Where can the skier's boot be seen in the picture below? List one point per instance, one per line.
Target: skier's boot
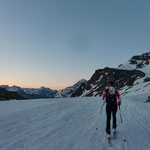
(108, 133)
(114, 131)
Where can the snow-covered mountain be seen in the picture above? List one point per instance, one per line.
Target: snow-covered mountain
(138, 62)
(67, 92)
(43, 92)
(12, 88)
(31, 92)
(130, 78)
(8, 95)
(142, 63)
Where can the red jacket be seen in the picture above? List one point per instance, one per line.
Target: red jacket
(117, 95)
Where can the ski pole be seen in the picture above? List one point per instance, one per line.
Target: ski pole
(120, 114)
(101, 110)
(102, 107)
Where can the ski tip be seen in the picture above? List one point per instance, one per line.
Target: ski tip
(109, 144)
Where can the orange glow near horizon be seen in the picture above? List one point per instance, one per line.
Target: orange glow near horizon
(31, 85)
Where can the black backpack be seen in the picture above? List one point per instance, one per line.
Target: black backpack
(110, 99)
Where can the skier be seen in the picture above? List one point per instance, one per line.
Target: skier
(110, 96)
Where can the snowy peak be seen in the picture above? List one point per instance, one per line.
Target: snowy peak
(37, 90)
(139, 62)
(79, 83)
(15, 88)
(67, 92)
(6, 87)
(12, 88)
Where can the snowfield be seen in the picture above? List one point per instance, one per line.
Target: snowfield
(71, 123)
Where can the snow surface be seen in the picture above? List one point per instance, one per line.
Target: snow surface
(70, 124)
(139, 88)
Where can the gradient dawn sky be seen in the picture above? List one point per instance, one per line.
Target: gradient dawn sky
(55, 43)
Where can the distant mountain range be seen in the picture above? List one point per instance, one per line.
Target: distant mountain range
(31, 93)
(132, 77)
(34, 93)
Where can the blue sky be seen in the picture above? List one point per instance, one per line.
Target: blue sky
(55, 43)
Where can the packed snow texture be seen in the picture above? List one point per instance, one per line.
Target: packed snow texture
(71, 123)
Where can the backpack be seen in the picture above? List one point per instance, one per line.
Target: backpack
(111, 95)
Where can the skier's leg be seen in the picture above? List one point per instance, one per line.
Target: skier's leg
(115, 107)
(108, 113)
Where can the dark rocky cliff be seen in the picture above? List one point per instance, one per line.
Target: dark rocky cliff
(100, 79)
(7, 95)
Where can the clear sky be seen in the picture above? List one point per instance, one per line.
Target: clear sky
(55, 43)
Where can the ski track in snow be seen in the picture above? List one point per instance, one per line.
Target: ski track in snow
(70, 124)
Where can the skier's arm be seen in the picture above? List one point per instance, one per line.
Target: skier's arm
(119, 98)
(104, 95)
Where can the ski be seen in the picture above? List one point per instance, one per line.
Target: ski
(114, 135)
(109, 142)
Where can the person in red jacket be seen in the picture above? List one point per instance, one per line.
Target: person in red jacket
(110, 96)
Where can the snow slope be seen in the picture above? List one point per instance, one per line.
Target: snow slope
(139, 62)
(139, 87)
(70, 124)
(142, 85)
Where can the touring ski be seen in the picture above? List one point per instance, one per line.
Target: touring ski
(114, 134)
(109, 142)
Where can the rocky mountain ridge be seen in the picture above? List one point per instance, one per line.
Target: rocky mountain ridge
(8, 95)
(100, 79)
(131, 77)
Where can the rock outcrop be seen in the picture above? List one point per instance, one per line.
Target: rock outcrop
(8, 95)
(100, 79)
